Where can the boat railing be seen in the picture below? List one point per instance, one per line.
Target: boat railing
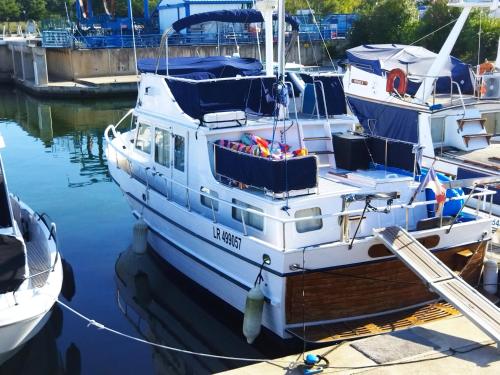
(453, 84)
(480, 194)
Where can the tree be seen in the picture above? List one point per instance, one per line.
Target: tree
(33, 9)
(467, 46)
(324, 6)
(437, 15)
(386, 21)
(9, 10)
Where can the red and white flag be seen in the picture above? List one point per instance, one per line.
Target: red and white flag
(431, 181)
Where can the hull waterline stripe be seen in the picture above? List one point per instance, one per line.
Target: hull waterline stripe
(196, 259)
(201, 237)
(277, 273)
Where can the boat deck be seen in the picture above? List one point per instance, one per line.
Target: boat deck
(38, 263)
(488, 157)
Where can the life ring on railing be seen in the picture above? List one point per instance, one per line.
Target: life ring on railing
(396, 74)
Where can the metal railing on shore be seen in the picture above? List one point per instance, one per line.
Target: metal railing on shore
(66, 38)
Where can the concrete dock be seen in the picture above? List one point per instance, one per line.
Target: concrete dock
(449, 346)
(68, 72)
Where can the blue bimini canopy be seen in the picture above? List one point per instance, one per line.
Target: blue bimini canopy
(386, 121)
(214, 66)
(251, 95)
(235, 15)
(416, 61)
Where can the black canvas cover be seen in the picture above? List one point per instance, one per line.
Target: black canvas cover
(12, 263)
(277, 176)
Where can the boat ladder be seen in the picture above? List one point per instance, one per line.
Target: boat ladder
(320, 145)
(442, 280)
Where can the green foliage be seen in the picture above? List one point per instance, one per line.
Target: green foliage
(324, 6)
(436, 16)
(9, 10)
(33, 9)
(387, 21)
(468, 43)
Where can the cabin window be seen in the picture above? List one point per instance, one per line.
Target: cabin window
(143, 141)
(492, 123)
(133, 122)
(162, 147)
(437, 128)
(253, 220)
(179, 149)
(311, 224)
(208, 202)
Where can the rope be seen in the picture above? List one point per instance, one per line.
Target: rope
(102, 327)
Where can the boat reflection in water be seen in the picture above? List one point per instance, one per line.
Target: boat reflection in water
(167, 308)
(41, 355)
(74, 127)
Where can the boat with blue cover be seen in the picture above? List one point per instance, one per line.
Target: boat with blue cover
(451, 111)
(241, 189)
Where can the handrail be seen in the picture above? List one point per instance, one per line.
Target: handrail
(483, 192)
(459, 94)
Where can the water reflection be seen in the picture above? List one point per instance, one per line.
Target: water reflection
(165, 307)
(67, 127)
(41, 355)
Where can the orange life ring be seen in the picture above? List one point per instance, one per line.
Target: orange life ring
(396, 74)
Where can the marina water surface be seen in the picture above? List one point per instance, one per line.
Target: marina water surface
(55, 161)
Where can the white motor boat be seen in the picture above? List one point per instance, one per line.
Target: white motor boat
(31, 271)
(434, 100)
(238, 189)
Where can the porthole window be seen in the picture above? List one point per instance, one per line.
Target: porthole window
(253, 220)
(209, 202)
(143, 142)
(310, 224)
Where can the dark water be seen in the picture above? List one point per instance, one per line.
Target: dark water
(54, 160)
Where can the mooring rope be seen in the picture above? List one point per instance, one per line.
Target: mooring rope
(100, 326)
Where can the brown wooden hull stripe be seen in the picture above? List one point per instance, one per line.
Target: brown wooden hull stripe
(371, 288)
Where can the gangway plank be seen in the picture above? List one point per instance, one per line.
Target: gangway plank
(442, 280)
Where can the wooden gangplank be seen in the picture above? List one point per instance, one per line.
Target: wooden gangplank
(442, 280)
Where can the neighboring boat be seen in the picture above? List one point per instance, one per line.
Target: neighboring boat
(435, 100)
(31, 273)
(240, 189)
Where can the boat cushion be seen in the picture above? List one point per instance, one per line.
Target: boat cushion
(277, 176)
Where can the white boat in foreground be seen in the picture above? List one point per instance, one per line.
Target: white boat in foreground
(208, 164)
(31, 272)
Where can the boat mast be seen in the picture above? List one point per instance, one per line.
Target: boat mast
(281, 41)
(442, 58)
(267, 8)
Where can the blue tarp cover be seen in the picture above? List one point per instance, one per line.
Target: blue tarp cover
(464, 173)
(386, 121)
(379, 58)
(218, 66)
(291, 20)
(252, 95)
(235, 15)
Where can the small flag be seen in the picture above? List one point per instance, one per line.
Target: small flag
(431, 181)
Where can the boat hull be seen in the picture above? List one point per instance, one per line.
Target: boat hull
(372, 288)
(15, 335)
(383, 286)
